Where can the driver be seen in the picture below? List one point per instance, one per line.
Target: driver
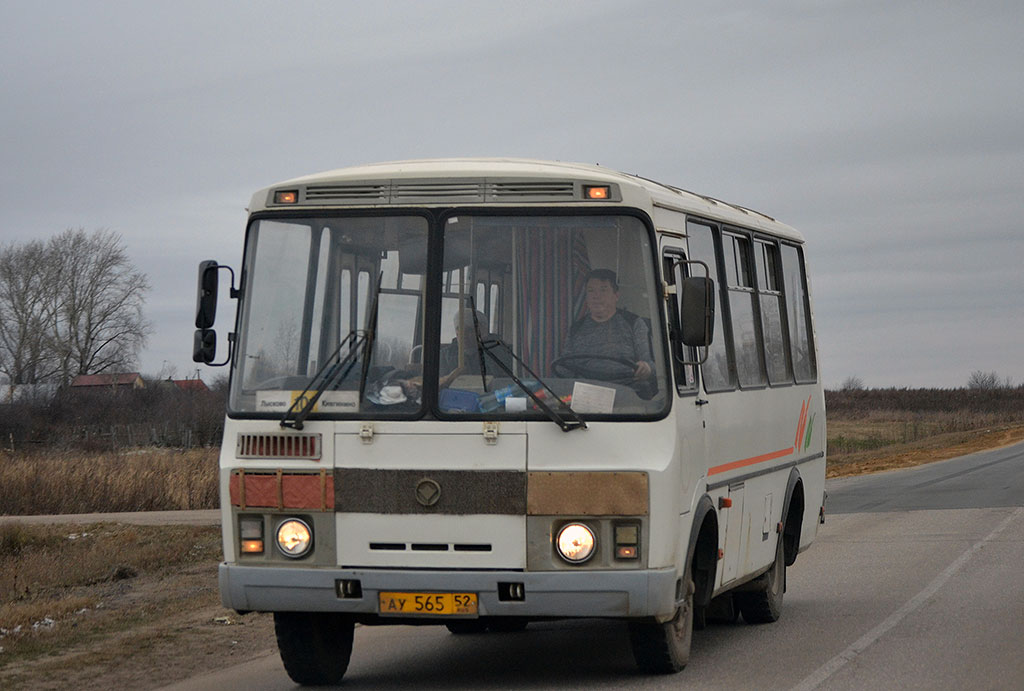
(609, 332)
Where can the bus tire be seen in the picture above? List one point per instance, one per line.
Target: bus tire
(763, 604)
(664, 648)
(315, 647)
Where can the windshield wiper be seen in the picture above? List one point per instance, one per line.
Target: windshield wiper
(335, 370)
(565, 417)
(331, 375)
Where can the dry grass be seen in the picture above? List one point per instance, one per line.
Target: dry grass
(83, 482)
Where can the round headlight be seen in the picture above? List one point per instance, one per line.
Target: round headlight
(294, 538)
(576, 543)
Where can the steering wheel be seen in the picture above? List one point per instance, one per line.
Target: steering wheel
(567, 365)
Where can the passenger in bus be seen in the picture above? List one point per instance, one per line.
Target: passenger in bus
(613, 336)
(450, 367)
(410, 378)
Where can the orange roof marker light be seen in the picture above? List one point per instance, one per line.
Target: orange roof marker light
(596, 191)
(286, 197)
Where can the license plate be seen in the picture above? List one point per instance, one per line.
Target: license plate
(427, 603)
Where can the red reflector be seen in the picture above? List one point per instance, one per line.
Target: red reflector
(725, 503)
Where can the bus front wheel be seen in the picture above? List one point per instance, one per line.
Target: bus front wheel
(665, 648)
(315, 647)
(764, 604)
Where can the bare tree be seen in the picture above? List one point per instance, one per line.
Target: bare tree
(984, 380)
(69, 306)
(26, 284)
(96, 322)
(852, 383)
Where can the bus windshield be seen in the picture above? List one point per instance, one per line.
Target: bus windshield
(557, 307)
(564, 304)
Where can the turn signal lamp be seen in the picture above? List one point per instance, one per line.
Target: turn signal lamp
(575, 543)
(286, 197)
(250, 532)
(597, 192)
(627, 541)
(294, 538)
(252, 546)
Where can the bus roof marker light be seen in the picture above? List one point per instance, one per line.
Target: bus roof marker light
(596, 191)
(286, 197)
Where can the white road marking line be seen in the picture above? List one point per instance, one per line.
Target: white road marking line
(820, 675)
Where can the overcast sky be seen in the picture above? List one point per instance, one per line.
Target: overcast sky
(890, 133)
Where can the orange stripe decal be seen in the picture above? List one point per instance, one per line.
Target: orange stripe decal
(800, 425)
(725, 467)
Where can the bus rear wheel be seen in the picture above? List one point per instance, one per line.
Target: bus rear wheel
(315, 647)
(763, 605)
(665, 648)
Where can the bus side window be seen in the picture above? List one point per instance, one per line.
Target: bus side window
(769, 290)
(746, 332)
(717, 370)
(798, 314)
(685, 375)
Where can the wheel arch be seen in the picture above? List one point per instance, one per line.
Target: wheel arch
(792, 516)
(702, 553)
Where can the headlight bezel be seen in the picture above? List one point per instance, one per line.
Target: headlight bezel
(290, 523)
(582, 529)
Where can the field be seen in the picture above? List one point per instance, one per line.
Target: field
(153, 590)
(876, 430)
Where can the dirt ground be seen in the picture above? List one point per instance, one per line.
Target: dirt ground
(153, 628)
(140, 630)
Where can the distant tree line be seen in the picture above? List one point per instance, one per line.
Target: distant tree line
(107, 419)
(70, 305)
(979, 380)
(998, 405)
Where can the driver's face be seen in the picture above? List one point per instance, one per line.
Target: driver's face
(602, 300)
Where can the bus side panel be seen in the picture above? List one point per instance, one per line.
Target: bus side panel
(749, 434)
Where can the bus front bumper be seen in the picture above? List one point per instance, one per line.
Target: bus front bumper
(616, 594)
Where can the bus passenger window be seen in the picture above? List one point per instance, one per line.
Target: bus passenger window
(769, 289)
(798, 315)
(742, 305)
(716, 371)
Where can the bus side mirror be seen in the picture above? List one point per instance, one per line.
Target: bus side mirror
(697, 311)
(204, 346)
(206, 296)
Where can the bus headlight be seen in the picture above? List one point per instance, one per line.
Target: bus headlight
(294, 538)
(575, 543)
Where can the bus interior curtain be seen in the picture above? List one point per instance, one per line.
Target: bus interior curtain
(553, 266)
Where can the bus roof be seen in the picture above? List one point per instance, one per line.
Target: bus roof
(471, 181)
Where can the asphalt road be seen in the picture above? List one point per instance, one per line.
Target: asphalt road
(914, 583)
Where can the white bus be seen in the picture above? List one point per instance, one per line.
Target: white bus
(477, 393)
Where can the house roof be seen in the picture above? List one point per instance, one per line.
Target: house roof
(121, 379)
(190, 384)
